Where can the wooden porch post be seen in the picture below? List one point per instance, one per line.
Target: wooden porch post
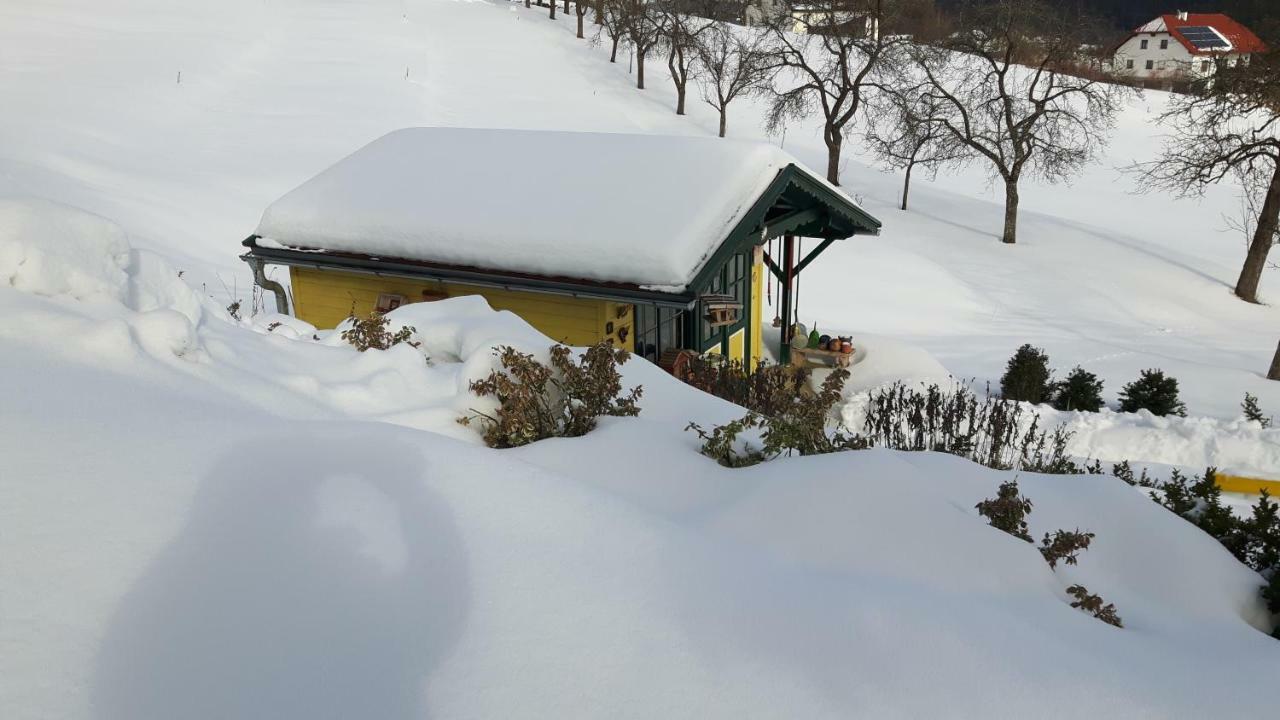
(788, 268)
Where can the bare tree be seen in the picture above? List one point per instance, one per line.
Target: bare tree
(828, 55)
(1007, 84)
(679, 25)
(580, 9)
(612, 26)
(552, 3)
(734, 62)
(1230, 126)
(904, 133)
(641, 24)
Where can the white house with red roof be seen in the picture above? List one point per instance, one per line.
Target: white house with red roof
(1184, 45)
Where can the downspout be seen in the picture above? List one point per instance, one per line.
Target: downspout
(260, 278)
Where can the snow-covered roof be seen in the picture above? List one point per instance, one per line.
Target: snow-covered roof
(641, 209)
(1235, 37)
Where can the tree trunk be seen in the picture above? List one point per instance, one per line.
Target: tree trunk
(566, 7)
(553, 9)
(1263, 237)
(581, 15)
(528, 3)
(906, 183)
(834, 141)
(724, 120)
(1010, 212)
(675, 61)
(613, 53)
(1274, 372)
(599, 12)
(639, 69)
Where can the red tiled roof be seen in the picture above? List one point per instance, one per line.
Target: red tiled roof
(1241, 38)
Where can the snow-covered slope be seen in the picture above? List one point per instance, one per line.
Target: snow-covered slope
(198, 524)
(201, 517)
(273, 92)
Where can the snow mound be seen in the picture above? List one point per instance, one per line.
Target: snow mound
(49, 248)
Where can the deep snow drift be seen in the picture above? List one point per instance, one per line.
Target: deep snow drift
(203, 517)
(191, 530)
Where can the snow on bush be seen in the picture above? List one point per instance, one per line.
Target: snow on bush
(48, 248)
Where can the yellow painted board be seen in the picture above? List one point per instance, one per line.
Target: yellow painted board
(326, 298)
(756, 319)
(737, 341)
(1249, 485)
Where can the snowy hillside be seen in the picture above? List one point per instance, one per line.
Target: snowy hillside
(197, 524)
(209, 517)
(272, 92)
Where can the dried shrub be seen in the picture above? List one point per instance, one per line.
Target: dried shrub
(1064, 546)
(994, 432)
(723, 443)
(233, 309)
(371, 333)
(1027, 376)
(796, 423)
(765, 389)
(565, 399)
(1007, 511)
(1091, 603)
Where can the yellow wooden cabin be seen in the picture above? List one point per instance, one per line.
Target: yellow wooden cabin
(651, 243)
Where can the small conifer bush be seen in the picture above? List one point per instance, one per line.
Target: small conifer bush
(1153, 391)
(1026, 376)
(1082, 390)
(1252, 412)
(1125, 472)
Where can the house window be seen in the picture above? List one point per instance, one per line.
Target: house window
(733, 280)
(1128, 64)
(1150, 64)
(658, 329)
(1144, 45)
(1204, 66)
(1164, 44)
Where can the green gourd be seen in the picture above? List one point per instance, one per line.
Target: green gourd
(814, 337)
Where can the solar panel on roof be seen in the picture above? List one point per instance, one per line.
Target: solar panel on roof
(1204, 37)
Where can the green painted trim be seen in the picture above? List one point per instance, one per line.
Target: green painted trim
(839, 218)
(813, 254)
(773, 268)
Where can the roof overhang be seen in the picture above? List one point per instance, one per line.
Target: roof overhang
(478, 277)
(795, 203)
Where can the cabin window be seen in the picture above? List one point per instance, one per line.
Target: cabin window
(733, 281)
(658, 329)
(1144, 45)
(1150, 64)
(1164, 44)
(1204, 66)
(1128, 64)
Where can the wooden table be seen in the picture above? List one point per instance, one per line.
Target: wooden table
(814, 356)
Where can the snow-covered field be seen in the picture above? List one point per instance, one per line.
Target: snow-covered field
(201, 517)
